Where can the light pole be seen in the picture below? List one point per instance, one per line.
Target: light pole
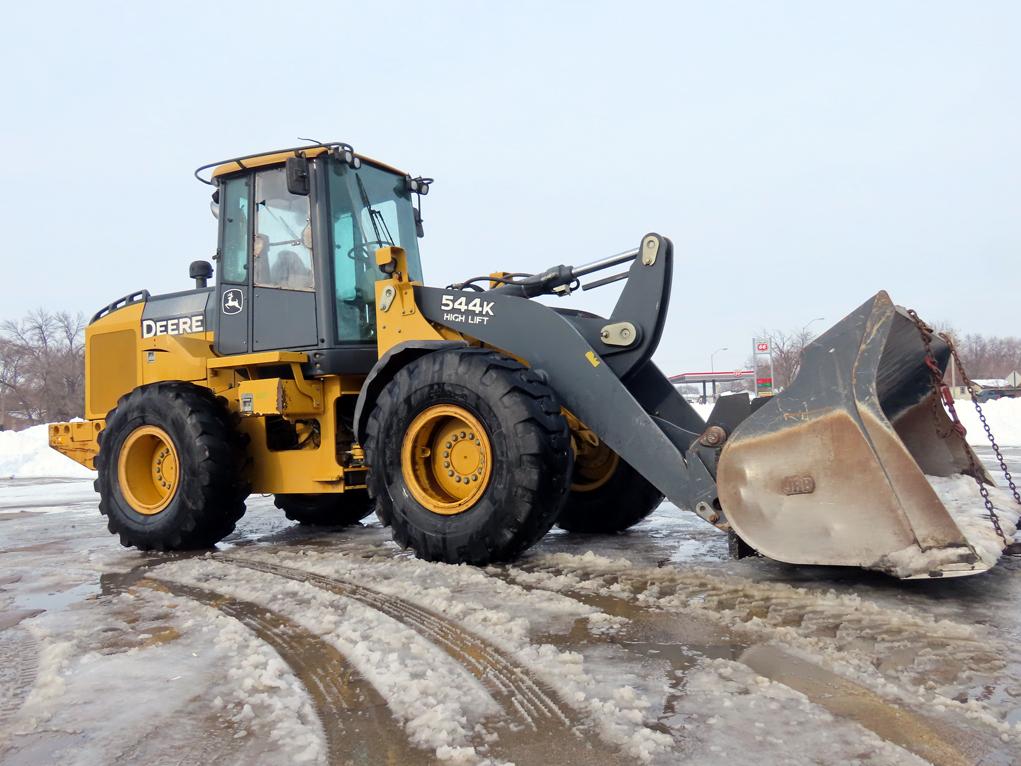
(817, 319)
(712, 367)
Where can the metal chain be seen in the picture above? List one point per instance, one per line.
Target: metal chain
(941, 389)
(943, 393)
(982, 417)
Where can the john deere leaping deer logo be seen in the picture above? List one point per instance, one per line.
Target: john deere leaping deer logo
(233, 301)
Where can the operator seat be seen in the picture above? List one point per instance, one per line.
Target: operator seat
(289, 272)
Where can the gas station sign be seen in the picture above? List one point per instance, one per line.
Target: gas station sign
(762, 356)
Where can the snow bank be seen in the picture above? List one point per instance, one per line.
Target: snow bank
(703, 409)
(1003, 415)
(27, 455)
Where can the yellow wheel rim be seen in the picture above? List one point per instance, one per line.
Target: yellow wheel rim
(446, 459)
(147, 470)
(593, 467)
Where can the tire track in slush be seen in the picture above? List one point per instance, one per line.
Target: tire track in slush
(941, 742)
(19, 657)
(356, 720)
(510, 683)
(843, 625)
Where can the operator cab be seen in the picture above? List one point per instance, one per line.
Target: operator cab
(298, 231)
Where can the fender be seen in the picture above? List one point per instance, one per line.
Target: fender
(384, 370)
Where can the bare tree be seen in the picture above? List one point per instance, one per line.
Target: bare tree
(990, 357)
(983, 356)
(41, 368)
(787, 349)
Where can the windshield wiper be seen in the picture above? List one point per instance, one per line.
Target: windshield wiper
(297, 239)
(375, 217)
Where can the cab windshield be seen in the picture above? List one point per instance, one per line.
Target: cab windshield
(369, 208)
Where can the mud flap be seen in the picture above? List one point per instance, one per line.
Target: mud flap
(833, 470)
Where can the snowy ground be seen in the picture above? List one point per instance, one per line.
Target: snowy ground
(285, 646)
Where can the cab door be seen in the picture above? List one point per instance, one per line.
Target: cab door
(283, 272)
(233, 280)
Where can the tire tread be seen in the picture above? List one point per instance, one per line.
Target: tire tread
(217, 491)
(540, 450)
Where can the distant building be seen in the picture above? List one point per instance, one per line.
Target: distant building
(985, 388)
(687, 379)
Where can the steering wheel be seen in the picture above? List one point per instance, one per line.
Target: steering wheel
(365, 246)
(368, 330)
(358, 299)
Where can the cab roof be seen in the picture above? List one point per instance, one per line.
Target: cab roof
(279, 156)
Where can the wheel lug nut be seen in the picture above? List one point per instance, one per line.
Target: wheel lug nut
(478, 443)
(449, 445)
(446, 464)
(471, 436)
(457, 479)
(462, 434)
(475, 477)
(450, 473)
(446, 454)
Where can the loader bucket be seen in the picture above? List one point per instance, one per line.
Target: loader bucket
(833, 470)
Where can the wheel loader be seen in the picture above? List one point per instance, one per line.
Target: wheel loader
(319, 368)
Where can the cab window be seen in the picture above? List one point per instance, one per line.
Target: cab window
(369, 208)
(282, 247)
(234, 206)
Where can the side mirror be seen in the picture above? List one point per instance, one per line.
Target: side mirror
(201, 272)
(297, 176)
(419, 229)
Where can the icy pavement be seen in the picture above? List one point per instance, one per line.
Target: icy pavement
(290, 646)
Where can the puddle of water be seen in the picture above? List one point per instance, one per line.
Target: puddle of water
(1005, 696)
(56, 600)
(684, 656)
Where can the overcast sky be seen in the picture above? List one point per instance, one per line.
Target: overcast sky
(800, 155)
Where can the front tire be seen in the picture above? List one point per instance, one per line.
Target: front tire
(607, 496)
(469, 457)
(170, 469)
(340, 509)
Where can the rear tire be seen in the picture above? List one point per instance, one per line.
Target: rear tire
(170, 469)
(620, 502)
(330, 510)
(522, 457)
